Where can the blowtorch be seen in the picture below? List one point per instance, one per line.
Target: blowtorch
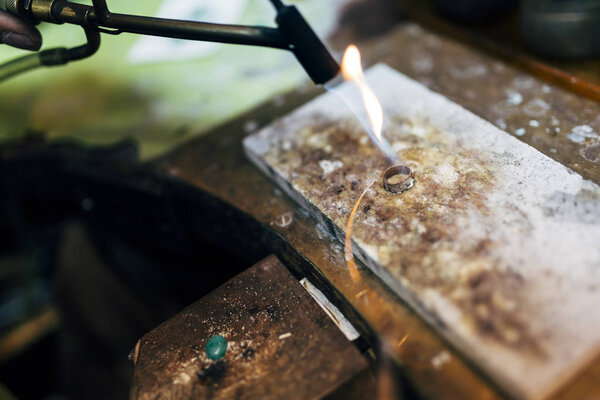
(293, 33)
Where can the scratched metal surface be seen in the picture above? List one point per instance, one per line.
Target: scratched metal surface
(216, 164)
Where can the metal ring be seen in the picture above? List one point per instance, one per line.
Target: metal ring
(396, 170)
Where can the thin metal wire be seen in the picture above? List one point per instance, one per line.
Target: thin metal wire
(348, 254)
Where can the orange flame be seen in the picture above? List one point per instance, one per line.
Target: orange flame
(352, 71)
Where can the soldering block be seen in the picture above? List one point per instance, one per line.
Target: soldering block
(497, 246)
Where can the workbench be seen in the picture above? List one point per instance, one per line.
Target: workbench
(502, 94)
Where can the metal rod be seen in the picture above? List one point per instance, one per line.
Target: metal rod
(80, 14)
(235, 34)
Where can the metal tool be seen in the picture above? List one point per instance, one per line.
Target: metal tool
(293, 33)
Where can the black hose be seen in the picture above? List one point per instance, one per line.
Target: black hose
(50, 57)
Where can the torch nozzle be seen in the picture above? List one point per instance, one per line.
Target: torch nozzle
(278, 4)
(305, 44)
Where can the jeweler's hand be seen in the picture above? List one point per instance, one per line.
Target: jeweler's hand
(17, 33)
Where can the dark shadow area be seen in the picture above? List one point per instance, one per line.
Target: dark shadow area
(95, 252)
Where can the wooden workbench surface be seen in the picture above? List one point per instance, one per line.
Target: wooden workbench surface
(560, 124)
(279, 345)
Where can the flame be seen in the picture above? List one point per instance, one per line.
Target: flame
(352, 71)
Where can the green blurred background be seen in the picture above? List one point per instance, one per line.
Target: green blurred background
(107, 98)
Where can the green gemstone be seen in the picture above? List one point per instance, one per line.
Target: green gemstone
(216, 347)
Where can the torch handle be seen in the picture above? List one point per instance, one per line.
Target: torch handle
(293, 32)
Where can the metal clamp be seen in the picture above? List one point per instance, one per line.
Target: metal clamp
(41, 10)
